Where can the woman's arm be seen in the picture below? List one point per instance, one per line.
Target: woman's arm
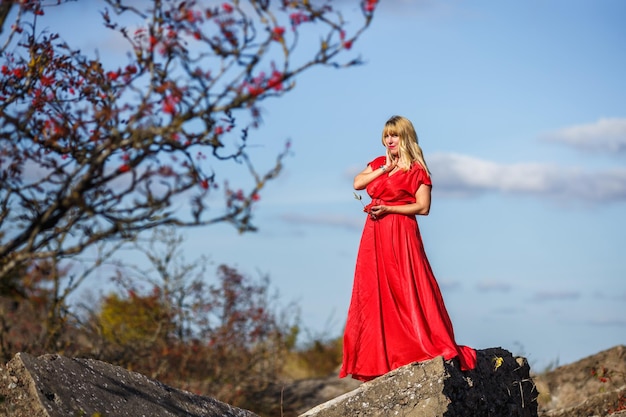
(370, 173)
(366, 176)
(421, 205)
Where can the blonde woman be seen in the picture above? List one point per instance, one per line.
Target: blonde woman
(397, 314)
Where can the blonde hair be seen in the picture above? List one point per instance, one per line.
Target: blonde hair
(409, 150)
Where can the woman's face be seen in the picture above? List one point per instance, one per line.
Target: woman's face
(392, 143)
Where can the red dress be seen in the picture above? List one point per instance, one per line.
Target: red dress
(397, 315)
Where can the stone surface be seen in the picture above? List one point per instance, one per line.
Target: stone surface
(499, 386)
(592, 386)
(56, 386)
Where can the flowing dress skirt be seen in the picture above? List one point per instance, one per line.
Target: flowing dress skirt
(397, 315)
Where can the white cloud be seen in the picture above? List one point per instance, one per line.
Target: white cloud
(461, 175)
(605, 135)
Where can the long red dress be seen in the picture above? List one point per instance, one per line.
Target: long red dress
(397, 315)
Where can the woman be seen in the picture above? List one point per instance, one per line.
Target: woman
(397, 314)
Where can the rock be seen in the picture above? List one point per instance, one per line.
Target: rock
(56, 386)
(592, 386)
(500, 386)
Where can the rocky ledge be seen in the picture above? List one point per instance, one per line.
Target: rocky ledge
(57, 386)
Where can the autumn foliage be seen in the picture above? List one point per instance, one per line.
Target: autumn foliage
(231, 345)
(221, 335)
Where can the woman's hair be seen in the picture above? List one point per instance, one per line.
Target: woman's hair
(409, 151)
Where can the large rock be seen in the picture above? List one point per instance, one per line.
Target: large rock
(592, 386)
(55, 386)
(500, 386)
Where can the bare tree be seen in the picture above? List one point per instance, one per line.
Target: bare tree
(92, 154)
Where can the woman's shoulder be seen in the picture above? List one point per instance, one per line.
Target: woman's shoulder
(415, 165)
(376, 162)
(419, 170)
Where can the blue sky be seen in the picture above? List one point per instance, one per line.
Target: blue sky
(520, 108)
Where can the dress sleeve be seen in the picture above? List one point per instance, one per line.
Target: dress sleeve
(378, 161)
(421, 177)
(427, 179)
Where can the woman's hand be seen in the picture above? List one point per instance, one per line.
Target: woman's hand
(390, 162)
(378, 211)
